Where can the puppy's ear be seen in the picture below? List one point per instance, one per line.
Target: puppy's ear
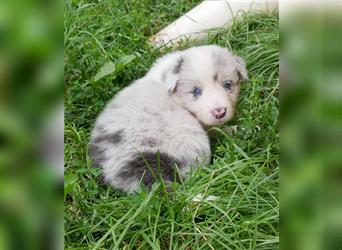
(171, 76)
(170, 80)
(241, 68)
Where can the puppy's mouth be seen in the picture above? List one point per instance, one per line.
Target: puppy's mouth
(207, 125)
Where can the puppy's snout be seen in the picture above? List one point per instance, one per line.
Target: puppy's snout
(219, 113)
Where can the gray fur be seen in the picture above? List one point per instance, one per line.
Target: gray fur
(218, 60)
(97, 155)
(164, 76)
(152, 113)
(112, 138)
(178, 67)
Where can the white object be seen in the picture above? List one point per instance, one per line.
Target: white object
(200, 198)
(207, 15)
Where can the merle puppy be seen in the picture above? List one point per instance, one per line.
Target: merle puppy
(154, 128)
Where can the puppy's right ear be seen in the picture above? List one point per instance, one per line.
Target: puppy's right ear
(241, 68)
(171, 75)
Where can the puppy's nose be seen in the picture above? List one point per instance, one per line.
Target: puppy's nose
(219, 113)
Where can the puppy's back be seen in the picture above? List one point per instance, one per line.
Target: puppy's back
(143, 135)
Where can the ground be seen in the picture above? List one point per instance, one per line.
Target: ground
(244, 173)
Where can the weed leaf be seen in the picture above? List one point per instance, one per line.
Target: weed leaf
(123, 61)
(106, 69)
(69, 182)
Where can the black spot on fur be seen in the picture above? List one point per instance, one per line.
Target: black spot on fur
(216, 77)
(138, 169)
(178, 67)
(112, 138)
(96, 154)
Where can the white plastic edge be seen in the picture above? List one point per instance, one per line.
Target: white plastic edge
(207, 15)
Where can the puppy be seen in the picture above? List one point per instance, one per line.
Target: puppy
(154, 128)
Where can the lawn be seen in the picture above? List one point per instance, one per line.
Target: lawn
(244, 173)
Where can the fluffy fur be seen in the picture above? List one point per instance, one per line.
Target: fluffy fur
(154, 128)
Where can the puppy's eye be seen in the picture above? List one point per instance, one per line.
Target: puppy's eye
(196, 91)
(227, 85)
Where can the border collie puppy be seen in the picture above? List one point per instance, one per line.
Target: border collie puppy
(155, 128)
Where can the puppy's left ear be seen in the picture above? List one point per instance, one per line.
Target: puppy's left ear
(171, 76)
(170, 80)
(241, 68)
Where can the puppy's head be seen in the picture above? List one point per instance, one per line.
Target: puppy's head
(205, 81)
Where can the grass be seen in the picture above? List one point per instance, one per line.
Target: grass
(244, 174)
